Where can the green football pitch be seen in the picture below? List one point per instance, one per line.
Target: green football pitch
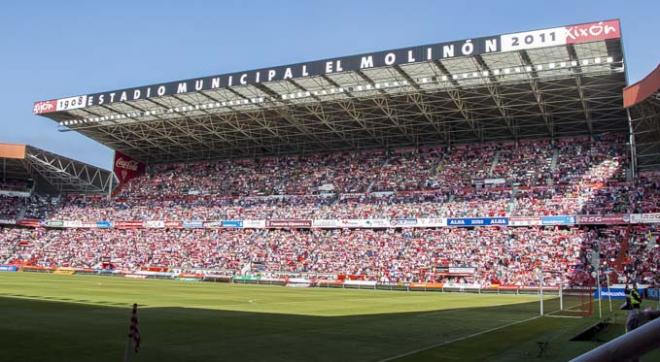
(47, 317)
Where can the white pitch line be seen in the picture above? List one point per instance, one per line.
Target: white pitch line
(458, 339)
(470, 336)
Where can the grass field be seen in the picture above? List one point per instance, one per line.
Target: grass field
(85, 318)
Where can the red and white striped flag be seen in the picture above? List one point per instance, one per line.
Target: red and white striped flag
(133, 334)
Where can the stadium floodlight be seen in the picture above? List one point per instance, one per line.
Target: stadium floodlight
(528, 68)
(609, 59)
(597, 60)
(551, 66)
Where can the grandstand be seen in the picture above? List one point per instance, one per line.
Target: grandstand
(554, 82)
(525, 129)
(495, 164)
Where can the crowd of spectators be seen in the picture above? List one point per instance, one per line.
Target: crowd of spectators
(15, 185)
(510, 256)
(12, 197)
(527, 178)
(9, 207)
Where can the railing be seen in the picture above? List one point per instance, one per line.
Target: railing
(627, 347)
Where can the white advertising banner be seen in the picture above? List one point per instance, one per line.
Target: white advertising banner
(653, 218)
(254, 224)
(432, 222)
(154, 224)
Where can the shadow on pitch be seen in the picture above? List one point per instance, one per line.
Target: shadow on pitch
(62, 330)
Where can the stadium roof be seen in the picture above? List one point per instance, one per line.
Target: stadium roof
(643, 102)
(542, 83)
(24, 162)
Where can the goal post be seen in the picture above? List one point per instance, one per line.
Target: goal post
(568, 297)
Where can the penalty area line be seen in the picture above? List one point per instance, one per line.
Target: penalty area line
(551, 314)
(458, 339)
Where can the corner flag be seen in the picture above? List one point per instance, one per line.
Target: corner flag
(133, 335)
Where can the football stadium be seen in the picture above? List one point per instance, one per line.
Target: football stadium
(490, 198)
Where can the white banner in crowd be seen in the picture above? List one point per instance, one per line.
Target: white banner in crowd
(653, 218)
(154, 224)
(254, 224)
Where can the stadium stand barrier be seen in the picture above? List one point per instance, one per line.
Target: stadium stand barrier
(628, 347)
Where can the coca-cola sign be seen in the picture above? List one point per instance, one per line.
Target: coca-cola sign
(127, 164)
(126, 168)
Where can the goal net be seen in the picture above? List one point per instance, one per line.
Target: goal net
(575, 298)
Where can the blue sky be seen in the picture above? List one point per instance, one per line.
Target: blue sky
(58, 49)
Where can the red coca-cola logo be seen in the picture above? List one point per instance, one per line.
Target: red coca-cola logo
(44, 107)
(127, 164)
(601, 30)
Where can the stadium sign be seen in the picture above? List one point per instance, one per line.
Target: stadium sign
(103, 224)
(54, 223)
(128, 224)
(614, 219)
(254, 224)
(403, 222)
(572, 34)
(478, 221)
(7, 221)
(289, 223)
(558, 220)
(74, 224)
(614, 293)
(154, 224)
(325, 223)
(212, 224)
(232, 223)
(462, 270)
(193, 224)
(524, 221)
(652, 218)
(376, 223)
(173, 224)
